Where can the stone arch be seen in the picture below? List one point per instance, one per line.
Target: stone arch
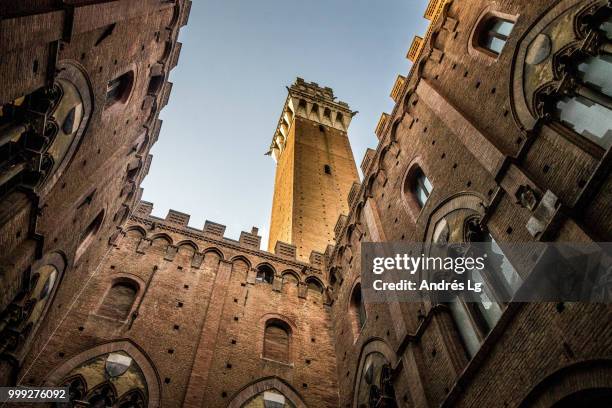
(369, 190)
(243, 259)
(240, 268)
(313, 280)
(141, 358)
(356, 309)
(286, 322)
(335, 274)
(521, 96)
(570, 380)
(474, 47)
(292, 273)
(138, 229)
(163, 236)
(215, 250)
(53, 263)
(264, 384)
(394, 127)
(466, 200)
(266, 265)
(73, 73)
(189, 243)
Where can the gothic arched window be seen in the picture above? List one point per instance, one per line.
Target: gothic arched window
(460, 233)
(456, 230)
(277, 338)
(375, 386)
(118, 301)
(565, 74)
(587, 108)
(108, 380)
(40, 132)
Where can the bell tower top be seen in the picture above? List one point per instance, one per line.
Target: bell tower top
(310, 101)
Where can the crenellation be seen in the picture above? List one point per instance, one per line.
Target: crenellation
(144, 208)
(381, 125)
(177, 218)
(368, 156)
(284, 249)
(250, 239)
(214, 228)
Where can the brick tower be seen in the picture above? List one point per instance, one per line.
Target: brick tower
(315, 168)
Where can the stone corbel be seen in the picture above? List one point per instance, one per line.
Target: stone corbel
(197, 259)
(252, 276)
(171, 251)
(302, 290)
(142, 245)
(277, 284)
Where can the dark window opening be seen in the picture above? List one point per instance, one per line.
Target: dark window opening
(358, 310)
(421, 187)
(265, 274)
(118, 90)
(155, 84)
(327, 169)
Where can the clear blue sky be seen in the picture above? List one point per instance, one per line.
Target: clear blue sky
(229, 89)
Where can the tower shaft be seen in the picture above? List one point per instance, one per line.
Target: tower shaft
(315, 168)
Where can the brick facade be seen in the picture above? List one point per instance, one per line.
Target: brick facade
(188, 317)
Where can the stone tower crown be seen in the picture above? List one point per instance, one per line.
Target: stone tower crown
(310, 101)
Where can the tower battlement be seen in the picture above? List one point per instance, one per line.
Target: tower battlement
(308, 100)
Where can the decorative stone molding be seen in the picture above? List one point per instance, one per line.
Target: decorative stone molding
(307, 100)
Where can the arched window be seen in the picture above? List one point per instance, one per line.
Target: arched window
(588, 109)
(88, 235)
(314, 285)
(417, 189)
(118, 301)
(327, 169)
(45, 279)
(357, 309)
(492, 34)
(119, 89)
(277, 338)
(564, 82)
(422, 187)
(265, 274)
(375, 386)
(34, 153)
(475, 314)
